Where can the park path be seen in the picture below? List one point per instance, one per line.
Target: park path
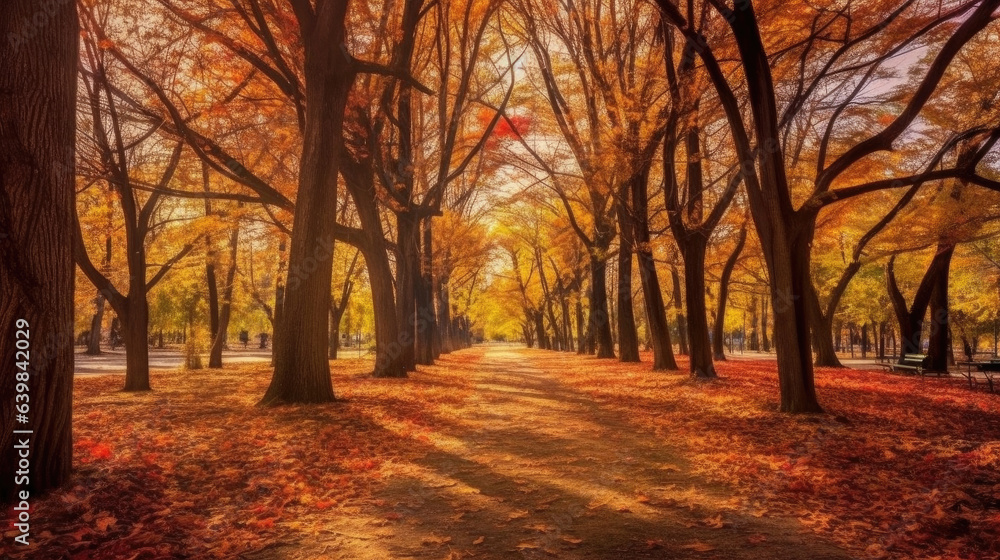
(534, 469)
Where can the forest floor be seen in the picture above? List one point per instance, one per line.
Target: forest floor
(500, 452)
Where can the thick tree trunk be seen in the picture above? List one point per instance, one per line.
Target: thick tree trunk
(388, 351)
(788, 268)
(911, 320)
(37, 138)
(628, 337)
(581, 336)
(135, 333)
(539, 321)
(301, 369)
(656, 315)
(822, 331)
(424, 299)
(678, 301)
(940, 340)
(407, 278)
(599, 324)
(697, 314)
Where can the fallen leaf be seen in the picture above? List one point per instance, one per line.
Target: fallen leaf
(699, 546)
(713, 522)
(435, 540)
(103, 523)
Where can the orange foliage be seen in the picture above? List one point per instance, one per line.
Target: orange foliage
(196, 469)
(897, 467)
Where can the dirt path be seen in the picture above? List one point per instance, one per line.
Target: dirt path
(536, 470)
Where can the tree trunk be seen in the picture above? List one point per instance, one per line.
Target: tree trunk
(213, 299)
(765, 341)
(37, 231)
(301, 369)
(225, 312)
(437, 340)
(911, 320)
(407, 278)
(543, 339)
(335, 316)
(940, 342)
(135, 334)
(96, 323)
(568, 334)
(822, 331)
(599, 325)
(628, 337)
(754, 343)
(788, 268)
(682, 334)
(656, 315)
(424, 300)
(881, 340)
(444, 317)
(581, 336)
(697, 315)
(718, 334)
(388, 351)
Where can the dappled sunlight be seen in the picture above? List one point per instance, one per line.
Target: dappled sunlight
(905, 465)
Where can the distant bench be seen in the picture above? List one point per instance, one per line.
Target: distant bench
(916, 363)
(988, 369)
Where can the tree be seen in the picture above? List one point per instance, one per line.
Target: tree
(221, 317)
(37, 137)
(718, 331)
(114, 146)
(786, 232)
(339, 306)
(411, 144)
(694, 221)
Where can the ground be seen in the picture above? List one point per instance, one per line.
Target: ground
(501, 452)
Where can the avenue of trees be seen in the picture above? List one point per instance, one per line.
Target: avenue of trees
(597, 176)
